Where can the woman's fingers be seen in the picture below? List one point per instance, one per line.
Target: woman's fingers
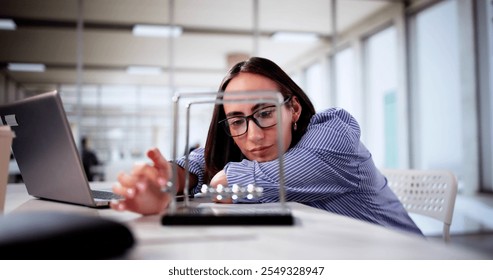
(160, 163)
(140, 192)
(141, 189)
(126, 192)
(145, 173)
(118, 205)
(126, 180)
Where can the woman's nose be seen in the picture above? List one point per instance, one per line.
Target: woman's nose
(254, 131)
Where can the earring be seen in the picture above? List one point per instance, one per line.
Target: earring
(295, 126)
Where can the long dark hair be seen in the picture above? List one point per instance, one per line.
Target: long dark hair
(220, 148)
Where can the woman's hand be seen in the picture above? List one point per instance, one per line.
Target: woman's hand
(141, 188)
(219, 179)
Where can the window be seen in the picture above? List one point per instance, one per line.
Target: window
(314, 86)
(345, 79)
(381, 127)
(437, 129)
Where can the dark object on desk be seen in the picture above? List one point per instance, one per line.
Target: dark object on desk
(247, 214)
(222, 217)
(58, 236)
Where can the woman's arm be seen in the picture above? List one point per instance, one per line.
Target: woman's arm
(196, 166)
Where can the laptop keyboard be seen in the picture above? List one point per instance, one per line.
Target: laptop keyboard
(105, 195)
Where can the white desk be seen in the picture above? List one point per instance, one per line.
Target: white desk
(316, 234)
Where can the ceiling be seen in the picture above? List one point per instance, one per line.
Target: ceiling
(212, 29)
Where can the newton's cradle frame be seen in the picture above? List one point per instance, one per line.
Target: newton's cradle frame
(184, 213)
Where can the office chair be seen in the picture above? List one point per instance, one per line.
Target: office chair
(430, 193)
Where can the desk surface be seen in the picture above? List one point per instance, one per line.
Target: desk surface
(316, 234)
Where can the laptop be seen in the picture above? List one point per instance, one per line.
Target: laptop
(46, 153)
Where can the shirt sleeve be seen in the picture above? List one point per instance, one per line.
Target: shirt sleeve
(196, 166)
(322, 164)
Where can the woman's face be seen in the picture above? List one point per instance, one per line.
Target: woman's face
(257, 143)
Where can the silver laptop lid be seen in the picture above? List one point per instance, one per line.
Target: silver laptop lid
(45, 150)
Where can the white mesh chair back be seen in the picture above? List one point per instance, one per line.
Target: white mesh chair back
(430, 193)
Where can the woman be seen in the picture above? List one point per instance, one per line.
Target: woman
(326, 165)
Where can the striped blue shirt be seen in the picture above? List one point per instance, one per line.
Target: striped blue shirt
(329, 169)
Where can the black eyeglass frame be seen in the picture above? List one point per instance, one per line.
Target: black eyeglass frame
(225, 125)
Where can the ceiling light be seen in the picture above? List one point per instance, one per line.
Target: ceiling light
(26, 67)
(157, 30)
(304, 37)
(7, 24)
(144, 70)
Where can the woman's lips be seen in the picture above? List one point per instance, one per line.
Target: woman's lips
(259, 149)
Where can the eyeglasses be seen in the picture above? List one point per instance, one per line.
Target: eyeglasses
(264, 118)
